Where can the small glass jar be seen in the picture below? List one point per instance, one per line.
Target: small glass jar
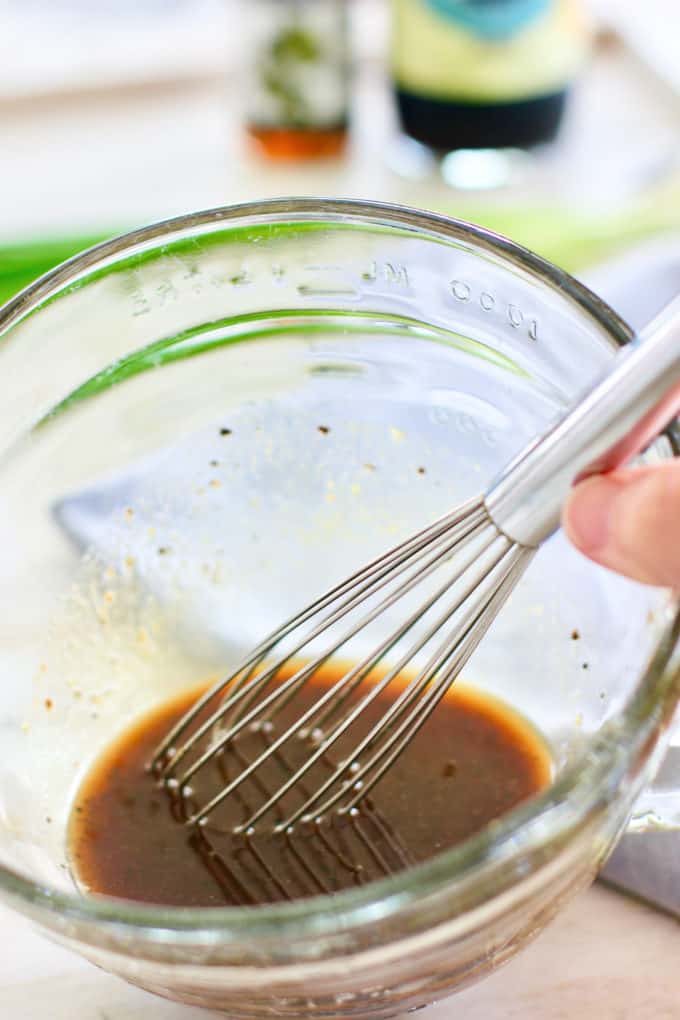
(297, 104)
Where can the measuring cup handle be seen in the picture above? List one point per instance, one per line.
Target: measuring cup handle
(616, 419)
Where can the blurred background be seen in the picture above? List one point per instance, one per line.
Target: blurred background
(555, 121)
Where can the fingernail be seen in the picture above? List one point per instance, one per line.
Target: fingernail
(589, 513)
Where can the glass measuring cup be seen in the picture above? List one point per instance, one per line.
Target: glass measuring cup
(205, 423)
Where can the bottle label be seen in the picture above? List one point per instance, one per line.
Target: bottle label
(298, 64)
(487, 50)
(491, 19)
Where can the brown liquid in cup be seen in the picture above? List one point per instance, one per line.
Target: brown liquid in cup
(473, 760)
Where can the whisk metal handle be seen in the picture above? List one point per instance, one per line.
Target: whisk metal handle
(616, 419)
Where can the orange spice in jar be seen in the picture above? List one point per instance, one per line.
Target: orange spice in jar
(298, 86)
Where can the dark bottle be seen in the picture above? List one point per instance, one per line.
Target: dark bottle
(298, 81)
(484, 74)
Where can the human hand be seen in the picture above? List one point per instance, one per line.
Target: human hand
(629, 521)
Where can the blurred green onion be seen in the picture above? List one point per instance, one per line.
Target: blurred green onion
(24, 261)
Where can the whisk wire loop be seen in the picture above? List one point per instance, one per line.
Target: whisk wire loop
(376, 575)
(350, 679)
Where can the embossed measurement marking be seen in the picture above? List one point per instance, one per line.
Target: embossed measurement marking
(466, 293)
(333, 280)
(393, 273)
(464, 423)
(327, 281)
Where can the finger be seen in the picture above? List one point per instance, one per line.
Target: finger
(629, 521)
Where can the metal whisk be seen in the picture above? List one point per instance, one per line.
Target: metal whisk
(326, 757)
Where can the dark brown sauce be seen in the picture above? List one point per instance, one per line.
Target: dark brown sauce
(473, 760)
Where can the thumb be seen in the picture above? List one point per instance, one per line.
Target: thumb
(629, 521)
